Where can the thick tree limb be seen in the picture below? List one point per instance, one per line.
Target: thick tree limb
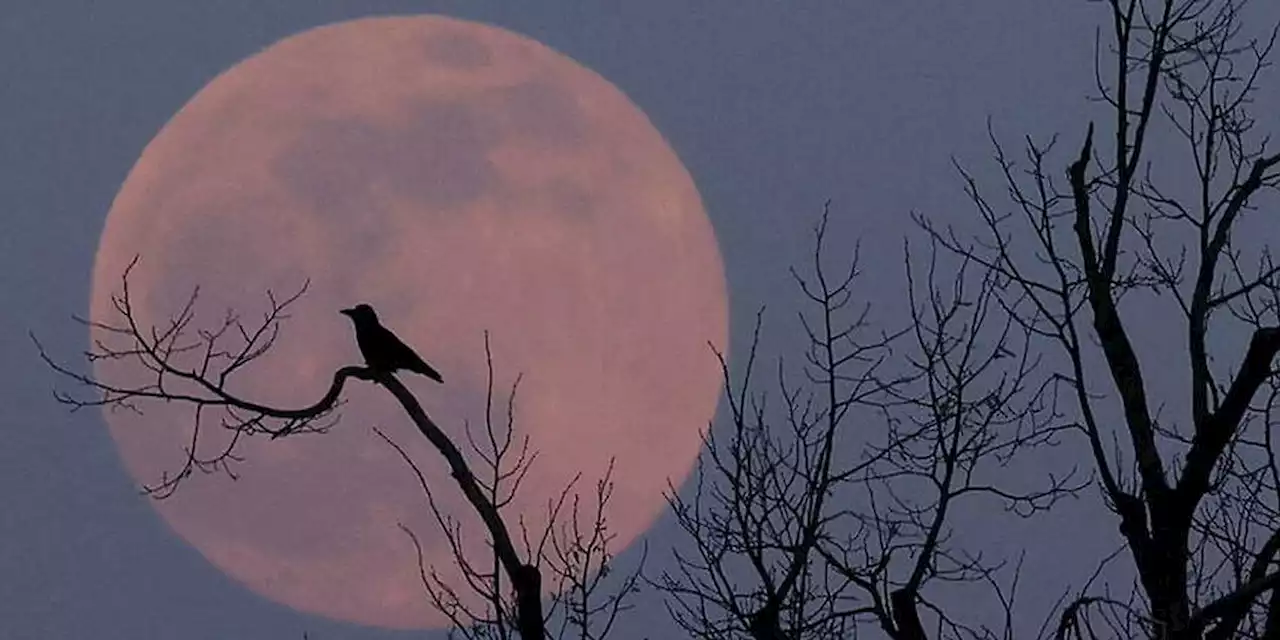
(1212, 438)
(905, 615)
(1122, 361)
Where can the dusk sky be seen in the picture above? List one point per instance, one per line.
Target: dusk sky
(773, 107)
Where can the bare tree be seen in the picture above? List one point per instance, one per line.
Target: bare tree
(590, 596)
(573, 548)
(832, 511)
(181, 363)
(828, 505)
(1145, 238)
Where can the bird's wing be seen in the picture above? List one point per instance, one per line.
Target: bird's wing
(405, 357)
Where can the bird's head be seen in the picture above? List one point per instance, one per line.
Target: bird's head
(360, 313)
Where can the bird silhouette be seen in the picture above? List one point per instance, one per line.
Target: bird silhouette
(381, 349)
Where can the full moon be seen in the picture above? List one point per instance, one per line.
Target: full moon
(461, 179)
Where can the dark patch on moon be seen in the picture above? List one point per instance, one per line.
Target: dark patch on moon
(440, 158)
(457, 51)
(544, 111)
(568, 199)
(213, 234)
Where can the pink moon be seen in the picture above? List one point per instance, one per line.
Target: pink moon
(460, 178)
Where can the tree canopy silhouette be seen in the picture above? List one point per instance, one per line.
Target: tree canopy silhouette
(832, 506)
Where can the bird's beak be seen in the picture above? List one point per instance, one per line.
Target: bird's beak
(346, 312)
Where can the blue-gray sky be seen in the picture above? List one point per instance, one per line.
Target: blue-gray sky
(774, 107)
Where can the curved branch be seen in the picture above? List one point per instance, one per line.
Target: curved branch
(159, 351)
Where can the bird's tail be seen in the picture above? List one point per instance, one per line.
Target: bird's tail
(426, 370)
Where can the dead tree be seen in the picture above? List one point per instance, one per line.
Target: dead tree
(185, 364)
(573, 550)
(829, 510)
(581, 560)
(1147, 225)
